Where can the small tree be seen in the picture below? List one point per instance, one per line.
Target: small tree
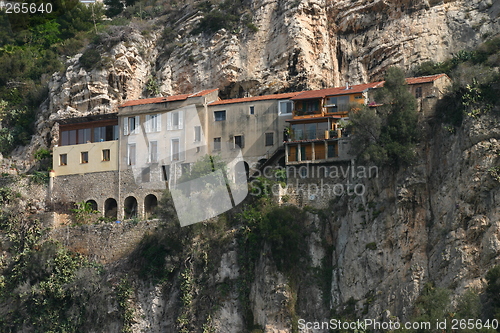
(84, 212)
(387, 135)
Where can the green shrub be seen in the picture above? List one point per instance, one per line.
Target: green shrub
(42, 153)
(371, 246)
(90, 59)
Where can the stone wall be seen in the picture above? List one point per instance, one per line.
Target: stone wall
(101, 186)
(105, 242)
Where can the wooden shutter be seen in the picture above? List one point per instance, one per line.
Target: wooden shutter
(125, 125)
(181, 119)
(158, 123)
(169, 121)
(149, 120)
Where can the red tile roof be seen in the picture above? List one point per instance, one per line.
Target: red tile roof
(173, 98)
(256, 98)
(424, 79)
(336, 91)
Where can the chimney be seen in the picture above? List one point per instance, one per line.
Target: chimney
(347, 85)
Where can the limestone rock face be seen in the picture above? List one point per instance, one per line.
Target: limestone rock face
(306, 44)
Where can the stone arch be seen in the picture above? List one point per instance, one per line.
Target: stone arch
(93, 204)
(239, 176)
(150, 205)
(111, 208)
(130, 207)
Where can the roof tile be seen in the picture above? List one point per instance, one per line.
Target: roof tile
(256, 98)
(336, 91)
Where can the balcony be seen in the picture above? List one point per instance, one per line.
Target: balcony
(308, 135)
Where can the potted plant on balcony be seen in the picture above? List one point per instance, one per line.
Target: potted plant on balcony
(286, 134)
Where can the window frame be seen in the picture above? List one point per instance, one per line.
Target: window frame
(131, 160)
(217, 144)
(61, 159)
(280, 108)
(197, 134)
(266, 139)
(104, 155)
(153, 154)
(220, 112)
(242, 142)
(84, 157)
(178, 153)
(418, 92)
(251, 110)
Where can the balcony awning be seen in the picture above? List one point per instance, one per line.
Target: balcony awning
(313, 119)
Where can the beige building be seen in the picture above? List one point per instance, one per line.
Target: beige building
(254, 124)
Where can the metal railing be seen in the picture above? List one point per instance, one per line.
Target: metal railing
(298, 135)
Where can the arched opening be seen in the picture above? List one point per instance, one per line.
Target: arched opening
(130, 206)
(150, 205)
(93, 204)
(111, 208)
(241, 172)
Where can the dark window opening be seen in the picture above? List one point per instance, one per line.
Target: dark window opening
(269, 139)
(106, 155)
(217, 144)
(220, 115)
(239, 141)
(84, 157)
(63, 159)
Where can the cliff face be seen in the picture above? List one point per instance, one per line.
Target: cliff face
(298, 45)
(436, 221)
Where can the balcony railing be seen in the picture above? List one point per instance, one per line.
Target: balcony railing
(299, 135)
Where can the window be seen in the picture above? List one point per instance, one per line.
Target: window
(310, 106)
(239, 141)
(418, 92)
(131, 125)
(337, 104)
(175, 120)
(64, 139)
(131, 154)
(106, 155)
(63, 159)
(252, 110)
(220, 115)
(285, 107)
(99, 134)
(153, 123)
(197, 133)
(84, 157)
(217, 144)
(68, 138)
(269, 139)
(175, 150)
(84, 135)
(153, 151)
